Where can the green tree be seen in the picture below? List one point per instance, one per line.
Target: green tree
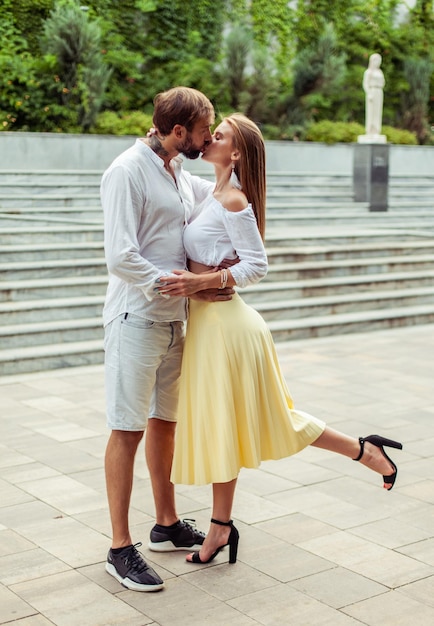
(21, 95)
(319, 73)
(238, 45)
(74, 41)
(272, 29)
(415, 118)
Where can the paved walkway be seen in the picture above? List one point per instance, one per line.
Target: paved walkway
(321, 542)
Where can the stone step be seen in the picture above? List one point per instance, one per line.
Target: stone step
(336, 304)
(289, 271)
(52, 268)
(277, 216)
(48, 357)
(349, 267)
(328, 252)
(30, 311)
(50, 176)
(334, 266)
(37, 289)
(269, 291)
(342, 235)
(50, 234)
(46, 251)
(64, 186)
(365, 321)
(370, 219)
(276, 254)
(51, 332)
(70, 354)
(82, 212)
(327, 234)
(47, 199)
(336, 206)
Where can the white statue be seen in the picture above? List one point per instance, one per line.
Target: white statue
(373, 83)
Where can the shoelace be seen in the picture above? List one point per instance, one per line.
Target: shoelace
(191, 524)
(134, 559)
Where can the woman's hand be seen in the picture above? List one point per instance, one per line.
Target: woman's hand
(180, 283)
(191, 285)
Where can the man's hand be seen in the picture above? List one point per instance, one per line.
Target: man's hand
(214, 295)
(179, 283)
(228, 263)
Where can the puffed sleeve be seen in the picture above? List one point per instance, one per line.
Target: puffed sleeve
(247, 242)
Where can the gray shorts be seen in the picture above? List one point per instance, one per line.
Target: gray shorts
(142, 368)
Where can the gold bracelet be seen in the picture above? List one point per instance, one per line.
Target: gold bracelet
(223, 278)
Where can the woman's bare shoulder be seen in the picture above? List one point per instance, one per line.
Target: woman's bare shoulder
(234, 201)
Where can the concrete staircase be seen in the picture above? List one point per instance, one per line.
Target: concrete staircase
(334, 266)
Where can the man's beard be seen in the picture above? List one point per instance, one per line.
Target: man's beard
(188, 149)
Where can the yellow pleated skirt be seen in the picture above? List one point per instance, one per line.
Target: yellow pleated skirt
(235, 409)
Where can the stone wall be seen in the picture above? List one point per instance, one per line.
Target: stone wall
(24, 151)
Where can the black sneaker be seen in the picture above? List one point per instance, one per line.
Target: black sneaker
(132, 571)
(181, 536)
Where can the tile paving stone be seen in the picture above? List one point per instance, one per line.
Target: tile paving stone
(12, 543)
(250, 508)
(61, 430)
(338, 587)
(10, 495)
(61, 456)
(390, 533)
(70, 598)
(283, 605)
(384, 566)
(67, 539)
(302, 469)
(10, 458)
(184, 604)
(422, 550)
(421, 590)
(18, 516)
(22, 566)
(34, 620)
(391, 609)
(13, 608)
(27, 471)
(421, 517)
(226, 582)
(65, 494)
(295, 528)
(321, 542)
(262, 482)
(285, 563)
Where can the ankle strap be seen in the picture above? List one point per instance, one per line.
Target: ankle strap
(362, 447)
(217, 521)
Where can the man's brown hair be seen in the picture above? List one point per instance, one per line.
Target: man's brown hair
(181, 105)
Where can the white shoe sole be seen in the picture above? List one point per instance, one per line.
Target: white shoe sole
(130, 584)
(168, 546)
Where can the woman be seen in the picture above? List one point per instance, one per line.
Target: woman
(234, 407)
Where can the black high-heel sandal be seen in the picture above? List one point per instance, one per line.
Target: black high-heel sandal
(232, 543)
(379, 441)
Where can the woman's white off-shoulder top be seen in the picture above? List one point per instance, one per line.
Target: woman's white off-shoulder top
(218, 234)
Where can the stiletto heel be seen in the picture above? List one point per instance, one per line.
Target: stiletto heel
(232, 543)
(379, 441)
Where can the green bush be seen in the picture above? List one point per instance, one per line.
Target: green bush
(397, 135)
(123, 123)
(334, 132)
(347, 132)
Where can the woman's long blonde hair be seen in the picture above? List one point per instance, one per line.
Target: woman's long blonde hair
(250, 168)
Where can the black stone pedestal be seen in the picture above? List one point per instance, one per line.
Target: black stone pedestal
(371, 175)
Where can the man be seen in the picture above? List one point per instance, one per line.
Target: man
(147, 198)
